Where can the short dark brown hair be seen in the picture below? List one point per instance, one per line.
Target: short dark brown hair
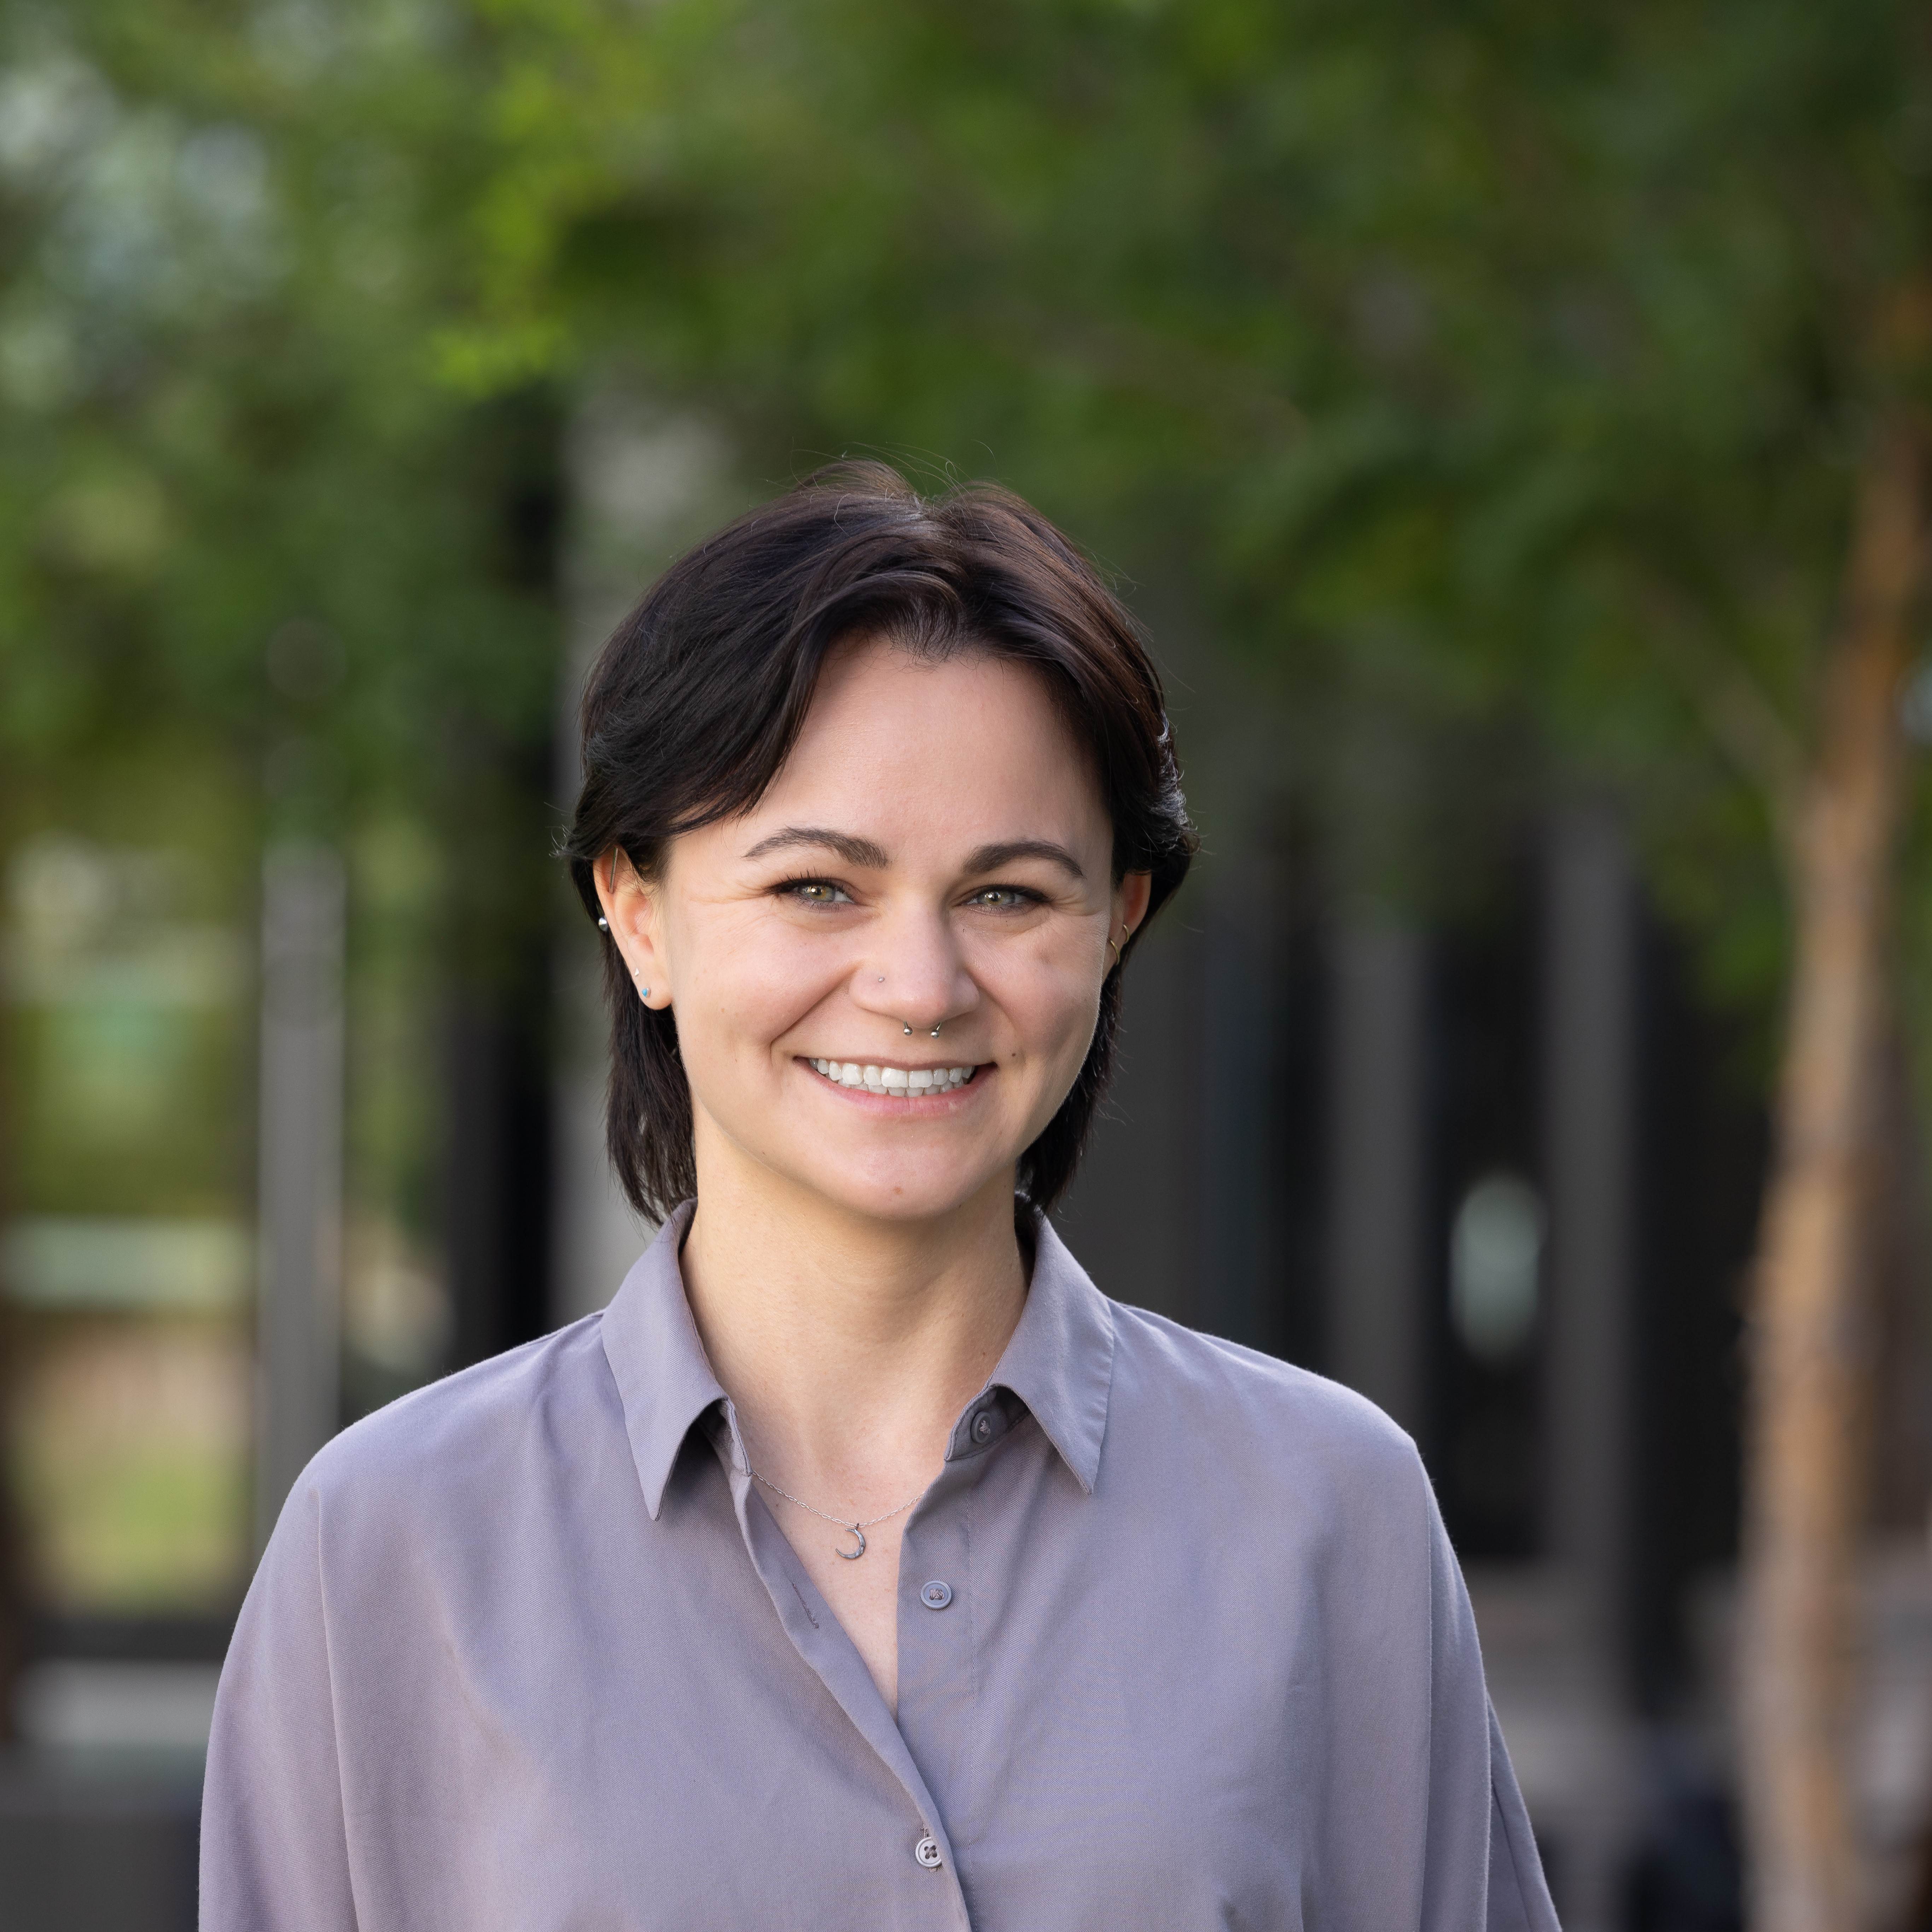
(695, 702)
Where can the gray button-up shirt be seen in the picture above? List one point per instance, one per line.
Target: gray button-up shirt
(1181, 1645)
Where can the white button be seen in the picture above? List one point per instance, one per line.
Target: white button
(937, 1594)
(982, 1427)
(928, 1853)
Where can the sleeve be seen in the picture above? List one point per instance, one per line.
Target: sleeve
(1519, 1897)
(274, 1854)
(1479, 1844)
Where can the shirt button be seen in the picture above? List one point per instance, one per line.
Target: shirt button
(937, 1594)
(982, 1427)
(928, 1853)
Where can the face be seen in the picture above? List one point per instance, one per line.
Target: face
(886, 975)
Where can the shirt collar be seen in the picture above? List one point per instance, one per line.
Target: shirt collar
(1059, 1362)
(664, 1378)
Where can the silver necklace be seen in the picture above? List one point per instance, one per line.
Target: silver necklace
(858, 1529)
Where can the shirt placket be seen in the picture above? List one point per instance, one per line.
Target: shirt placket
(940, 1600)
(819, 1639)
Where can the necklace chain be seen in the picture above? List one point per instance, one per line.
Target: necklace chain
(858, 1529)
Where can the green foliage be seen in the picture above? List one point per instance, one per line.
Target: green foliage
(1471, 360)
(218, 421)
(1470, 363)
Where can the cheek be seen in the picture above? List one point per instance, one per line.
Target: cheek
(748, 977)
(1050, 997)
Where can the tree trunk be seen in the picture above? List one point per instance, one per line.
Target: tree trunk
(1803, 1495)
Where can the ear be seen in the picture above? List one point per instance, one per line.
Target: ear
(633, 910)
(1130, 902)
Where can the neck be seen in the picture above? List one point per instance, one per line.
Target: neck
(848, 1346)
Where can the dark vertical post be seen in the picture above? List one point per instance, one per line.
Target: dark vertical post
(505, 900)
(1589, 1068)
(496, 1193)
(1241, 1290)
(1377, 1166)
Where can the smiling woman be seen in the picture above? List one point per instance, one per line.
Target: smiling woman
(852, 648)
(860, 1511)
(932, 860)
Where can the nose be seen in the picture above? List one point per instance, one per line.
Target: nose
(913, 972)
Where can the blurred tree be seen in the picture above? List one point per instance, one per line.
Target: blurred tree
(242, 522)
(1470, 360)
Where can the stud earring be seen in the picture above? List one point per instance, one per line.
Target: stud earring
(603, 925)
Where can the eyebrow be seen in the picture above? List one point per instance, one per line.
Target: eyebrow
(990, 858)
(857, 851)
(854, 851)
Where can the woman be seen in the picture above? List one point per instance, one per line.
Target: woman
(861, 1565)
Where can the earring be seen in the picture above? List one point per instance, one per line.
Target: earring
(603, 925)
(1116, 945)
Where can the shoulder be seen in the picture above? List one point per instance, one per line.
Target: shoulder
(405, 1529)
(473, 1433)
(1227, 1401)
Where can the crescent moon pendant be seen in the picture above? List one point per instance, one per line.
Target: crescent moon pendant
(852, 1556)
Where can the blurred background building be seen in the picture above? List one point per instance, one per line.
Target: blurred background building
(1470, 410)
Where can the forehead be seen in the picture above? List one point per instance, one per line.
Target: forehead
(972, 742)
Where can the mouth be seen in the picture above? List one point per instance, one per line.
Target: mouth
(893, 1083)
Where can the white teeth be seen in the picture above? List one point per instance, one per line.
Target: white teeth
(902, 1081)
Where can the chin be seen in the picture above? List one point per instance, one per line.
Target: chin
(900, 1199)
